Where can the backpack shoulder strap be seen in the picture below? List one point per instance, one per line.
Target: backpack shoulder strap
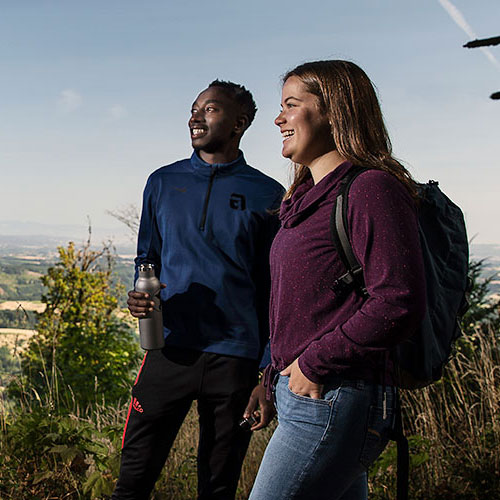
(340, 237)
(403, 453)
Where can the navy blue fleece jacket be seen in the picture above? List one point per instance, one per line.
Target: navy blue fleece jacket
(208, 229)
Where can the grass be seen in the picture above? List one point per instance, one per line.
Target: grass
(453, 427)
(460, 416)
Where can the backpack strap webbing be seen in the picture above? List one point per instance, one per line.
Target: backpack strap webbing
(338, 232)
(403, 460)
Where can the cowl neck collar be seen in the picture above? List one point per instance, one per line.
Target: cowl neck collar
(308, 195)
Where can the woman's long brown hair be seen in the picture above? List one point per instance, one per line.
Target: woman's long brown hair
(347, 97)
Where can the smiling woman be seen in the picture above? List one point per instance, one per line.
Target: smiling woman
(333, 383)
(305, 129)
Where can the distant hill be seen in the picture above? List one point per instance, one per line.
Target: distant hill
(46, 246)
(20, 273)
(24, 256)
(490, 254)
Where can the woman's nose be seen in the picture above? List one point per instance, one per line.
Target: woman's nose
(279, 119)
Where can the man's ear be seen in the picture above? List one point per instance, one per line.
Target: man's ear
(242, 123)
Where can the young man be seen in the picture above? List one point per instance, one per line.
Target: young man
(207, 225)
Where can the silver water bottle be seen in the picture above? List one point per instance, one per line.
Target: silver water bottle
(151, 326)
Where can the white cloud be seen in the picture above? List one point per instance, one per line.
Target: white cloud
(69, 100)
(117, 112)
(459, 19)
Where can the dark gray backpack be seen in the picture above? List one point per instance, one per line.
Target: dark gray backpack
(419, 360)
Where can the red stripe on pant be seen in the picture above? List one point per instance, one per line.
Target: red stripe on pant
(132, 400)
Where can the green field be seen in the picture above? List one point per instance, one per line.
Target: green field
(20, 278)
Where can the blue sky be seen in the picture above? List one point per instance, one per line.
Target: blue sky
(95, 95)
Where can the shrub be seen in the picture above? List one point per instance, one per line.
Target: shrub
(82, 350)
(43, 455)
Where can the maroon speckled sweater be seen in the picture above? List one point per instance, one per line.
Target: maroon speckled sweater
(349, 336)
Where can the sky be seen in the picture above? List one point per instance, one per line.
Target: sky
(95, 95)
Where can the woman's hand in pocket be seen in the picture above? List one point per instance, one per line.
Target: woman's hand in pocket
(299, 383)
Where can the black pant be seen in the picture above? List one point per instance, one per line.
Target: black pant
(167, 384)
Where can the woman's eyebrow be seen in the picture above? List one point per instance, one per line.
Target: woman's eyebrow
(292, 97)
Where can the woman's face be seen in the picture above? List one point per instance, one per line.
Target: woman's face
(305, 129)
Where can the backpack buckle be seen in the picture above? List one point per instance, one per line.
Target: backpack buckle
(349, 281)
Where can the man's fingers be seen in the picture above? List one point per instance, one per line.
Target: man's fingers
(138, 314)
(267, 414)
(264, 417)
(251, 406)
(137, 295)
(266, 410)
(145, 304)
(138, 298)
(139, 304)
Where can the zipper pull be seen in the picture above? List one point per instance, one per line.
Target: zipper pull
(213, 172)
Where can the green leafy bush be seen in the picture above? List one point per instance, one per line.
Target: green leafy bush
(43, 455)
(82, 351)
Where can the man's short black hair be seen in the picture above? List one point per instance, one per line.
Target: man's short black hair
(241, 95)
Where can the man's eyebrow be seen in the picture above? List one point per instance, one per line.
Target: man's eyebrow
(210, 101)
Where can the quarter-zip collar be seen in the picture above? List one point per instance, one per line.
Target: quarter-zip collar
(307, 196)
(205, 169)
(210, 171)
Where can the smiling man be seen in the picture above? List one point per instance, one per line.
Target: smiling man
(207, 226)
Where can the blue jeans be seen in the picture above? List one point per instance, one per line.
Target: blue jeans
(322, 448)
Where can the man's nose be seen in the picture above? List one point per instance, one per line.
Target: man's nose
(197, 117)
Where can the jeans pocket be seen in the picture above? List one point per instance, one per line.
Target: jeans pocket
(308, 399)
(376, 436)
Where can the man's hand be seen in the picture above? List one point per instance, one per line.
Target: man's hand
(140, 303)
(299, 383)
(266, 410)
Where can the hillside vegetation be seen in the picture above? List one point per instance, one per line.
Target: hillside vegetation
(66, 398)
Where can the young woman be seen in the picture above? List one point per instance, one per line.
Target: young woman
(333, 384)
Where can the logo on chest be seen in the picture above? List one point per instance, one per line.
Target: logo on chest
(237, 201)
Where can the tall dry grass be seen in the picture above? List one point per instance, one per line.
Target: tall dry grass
(454, 429)
(461, 418)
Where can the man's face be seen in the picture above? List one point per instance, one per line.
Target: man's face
(213, 122)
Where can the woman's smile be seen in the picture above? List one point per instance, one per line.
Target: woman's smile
(305, 129)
